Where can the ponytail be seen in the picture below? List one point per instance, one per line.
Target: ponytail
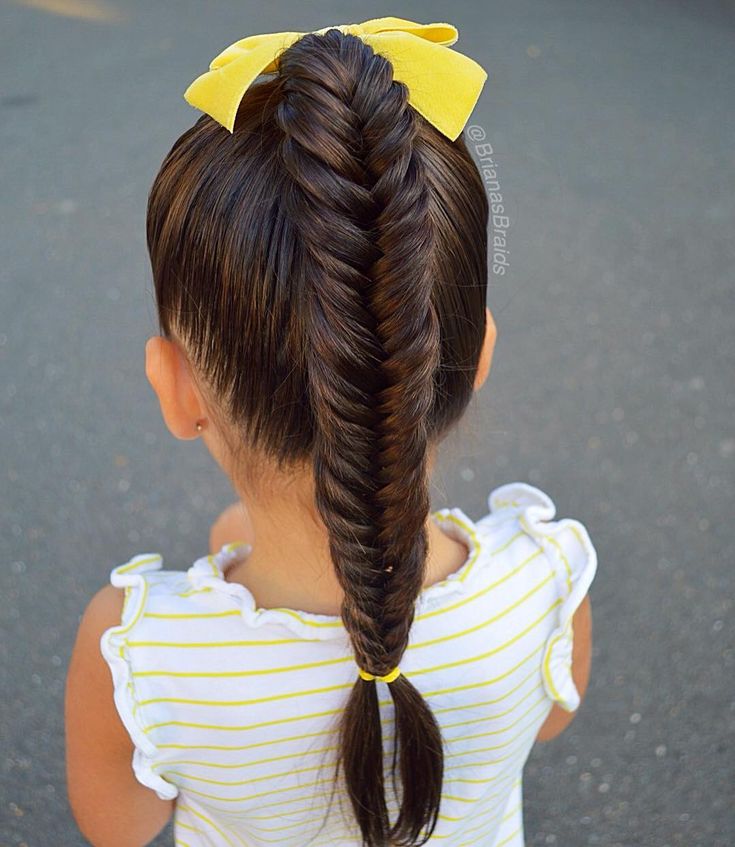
(373, 351)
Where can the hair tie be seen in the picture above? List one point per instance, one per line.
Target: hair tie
(389, 677)
(443, 85)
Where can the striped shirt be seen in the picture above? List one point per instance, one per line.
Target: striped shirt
(232, 708)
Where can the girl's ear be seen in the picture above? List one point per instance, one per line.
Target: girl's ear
(486, 354)
(170, 377)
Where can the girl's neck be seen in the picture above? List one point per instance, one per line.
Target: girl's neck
(290, 564)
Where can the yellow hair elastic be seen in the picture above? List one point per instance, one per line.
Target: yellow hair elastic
(389, 677)
(444, 85)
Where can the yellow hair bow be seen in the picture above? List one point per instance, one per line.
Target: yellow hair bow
(443, 85)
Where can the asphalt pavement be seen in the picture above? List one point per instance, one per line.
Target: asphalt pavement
(611, 389)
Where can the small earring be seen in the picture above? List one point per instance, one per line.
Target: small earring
(199, 426)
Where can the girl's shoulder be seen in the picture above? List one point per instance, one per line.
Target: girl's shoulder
(572, 557)
(565, 541)
(200, 590)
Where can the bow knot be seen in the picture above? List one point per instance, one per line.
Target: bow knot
(443, 85)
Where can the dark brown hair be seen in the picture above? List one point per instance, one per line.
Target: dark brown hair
(325, 267)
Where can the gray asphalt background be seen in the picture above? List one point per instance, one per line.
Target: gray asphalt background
(611, 389)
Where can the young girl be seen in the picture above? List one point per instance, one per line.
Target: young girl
(345, 667)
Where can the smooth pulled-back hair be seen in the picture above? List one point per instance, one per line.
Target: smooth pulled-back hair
(325, 267)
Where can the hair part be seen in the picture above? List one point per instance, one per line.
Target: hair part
(325, 267)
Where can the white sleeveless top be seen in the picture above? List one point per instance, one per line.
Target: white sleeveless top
(231, 708)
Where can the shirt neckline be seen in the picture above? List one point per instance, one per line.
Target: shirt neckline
(207, 573)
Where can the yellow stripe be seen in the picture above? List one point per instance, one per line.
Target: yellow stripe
(459, 799)
(309, 810)
(312, 809)
(131, 565)
(255, 796)
(490, 812)
(302, 666)
(564, 559)
(495, 747)
(250, 764)
(505, 696)
(477, 547)
(281, 814)
(183, 825)
(469, 685)
(494, 717)
(193, 591)
(538, 702)
(487, 588)
(503, 503)
(252, 702)
(223, 643)
(214, 826)
(492, 652)
(121, 630)
(453, 519)
(510, 814)
(458, 634)
(230, 612)
(488, 621)
(428, 694)
(506, 840)
(291, 754)
(310, 798)
(387, 753)
(215, 569)
(250, 781)
(547, 669)
(485, 798)
(231, 747)
(341, 660)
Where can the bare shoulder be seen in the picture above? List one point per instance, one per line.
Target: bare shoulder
(105, 608)
(233, 524)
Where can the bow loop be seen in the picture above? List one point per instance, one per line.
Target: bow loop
(440, 33)
(443, 85)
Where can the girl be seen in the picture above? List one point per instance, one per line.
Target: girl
(345, 667)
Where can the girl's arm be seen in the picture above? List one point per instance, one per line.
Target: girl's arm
(558, 718)
(110, 806)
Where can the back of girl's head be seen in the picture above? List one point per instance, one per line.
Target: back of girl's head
(325, 268)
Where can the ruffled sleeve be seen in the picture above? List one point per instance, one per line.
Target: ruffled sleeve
(113, 644)
(573, 559)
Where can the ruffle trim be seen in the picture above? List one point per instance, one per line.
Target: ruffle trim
(207, 573)
(113, 646)
(531, 506)
(574, 575)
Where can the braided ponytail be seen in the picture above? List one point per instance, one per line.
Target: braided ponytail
(368, 241)
(325, 268)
